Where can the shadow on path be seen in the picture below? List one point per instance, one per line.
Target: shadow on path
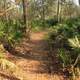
(33, 57)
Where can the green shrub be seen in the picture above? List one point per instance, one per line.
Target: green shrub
(64, 57)
(66, 30)
(66, 36)
(10, 31)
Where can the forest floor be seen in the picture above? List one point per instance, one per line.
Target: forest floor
(36, 60)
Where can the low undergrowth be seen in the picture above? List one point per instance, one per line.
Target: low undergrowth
(9, 68)
(65, 37)
(11, 32)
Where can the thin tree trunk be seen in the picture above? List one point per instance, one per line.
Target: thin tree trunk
(58, 10)
(43, 13)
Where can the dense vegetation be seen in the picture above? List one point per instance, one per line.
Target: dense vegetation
(66, 38)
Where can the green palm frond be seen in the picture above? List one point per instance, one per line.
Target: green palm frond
(74, 42)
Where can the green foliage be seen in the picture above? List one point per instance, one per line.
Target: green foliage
(39, 24)
(63, 31)
(10, 31)
(75, 44)
(64, 57)
(66, 36)
(51, 22)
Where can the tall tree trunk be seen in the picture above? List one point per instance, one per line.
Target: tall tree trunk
(25, 14)
(25, 17)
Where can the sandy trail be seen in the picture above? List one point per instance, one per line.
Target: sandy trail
(36, 61)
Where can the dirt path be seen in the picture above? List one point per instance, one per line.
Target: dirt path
(36, 61)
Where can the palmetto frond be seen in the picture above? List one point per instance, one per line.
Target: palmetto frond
(74, 42)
